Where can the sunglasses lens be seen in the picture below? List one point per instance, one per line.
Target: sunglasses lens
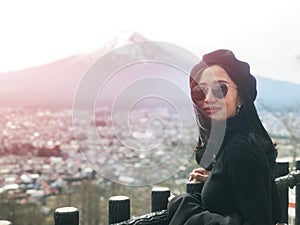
(197, 94)
(220, 90)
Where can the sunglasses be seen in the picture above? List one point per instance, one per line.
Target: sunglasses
(219, 90)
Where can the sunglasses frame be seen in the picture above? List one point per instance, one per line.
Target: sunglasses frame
(216, 89)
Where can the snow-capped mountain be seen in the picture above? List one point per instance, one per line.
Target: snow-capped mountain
(55, 84)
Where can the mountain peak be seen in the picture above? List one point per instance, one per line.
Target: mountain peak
(56, 83)
(125, 38)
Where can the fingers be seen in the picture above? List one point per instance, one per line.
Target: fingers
(200, 170)
(198, 177)
(171, 197)
(198, 174)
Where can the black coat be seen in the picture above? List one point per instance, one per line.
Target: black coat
(239, 190)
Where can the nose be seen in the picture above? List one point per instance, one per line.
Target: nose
(209, 97)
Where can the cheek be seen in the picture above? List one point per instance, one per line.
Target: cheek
(198, 104)
(231, 105)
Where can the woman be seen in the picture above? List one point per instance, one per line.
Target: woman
(234, 145)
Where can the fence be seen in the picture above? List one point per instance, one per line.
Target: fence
(285, 180)
(119, 206)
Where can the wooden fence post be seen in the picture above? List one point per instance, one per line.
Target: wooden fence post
(282, 168)
(297, 200)
(119, 209)
(5, 222)
(159, 198)
(66, 216)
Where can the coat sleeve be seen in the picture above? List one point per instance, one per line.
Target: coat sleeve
(247, 174)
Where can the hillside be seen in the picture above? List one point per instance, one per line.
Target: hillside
(55, 84)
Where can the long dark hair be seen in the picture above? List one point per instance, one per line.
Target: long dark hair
(258, 136)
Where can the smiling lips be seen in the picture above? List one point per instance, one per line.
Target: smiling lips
(211, 110)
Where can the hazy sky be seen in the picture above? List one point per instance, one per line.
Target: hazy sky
(264, 33)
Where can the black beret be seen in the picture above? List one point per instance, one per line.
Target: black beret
(238, 71)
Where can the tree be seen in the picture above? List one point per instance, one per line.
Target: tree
(289, 120)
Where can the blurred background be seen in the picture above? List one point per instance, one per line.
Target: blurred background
(47, 49)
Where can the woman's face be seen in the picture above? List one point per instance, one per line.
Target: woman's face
(210, 96)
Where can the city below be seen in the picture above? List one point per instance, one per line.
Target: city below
(43, 151)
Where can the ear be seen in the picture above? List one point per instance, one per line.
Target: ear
(239, 102)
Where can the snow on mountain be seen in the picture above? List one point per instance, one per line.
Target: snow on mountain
(55, 84)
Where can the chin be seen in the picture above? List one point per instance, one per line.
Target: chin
(217, 118)
(220, 116)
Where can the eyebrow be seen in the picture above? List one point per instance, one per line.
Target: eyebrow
(222, 81)
(217, 81)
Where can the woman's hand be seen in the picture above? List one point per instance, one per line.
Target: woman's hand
(199, 174)
(171, 197)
